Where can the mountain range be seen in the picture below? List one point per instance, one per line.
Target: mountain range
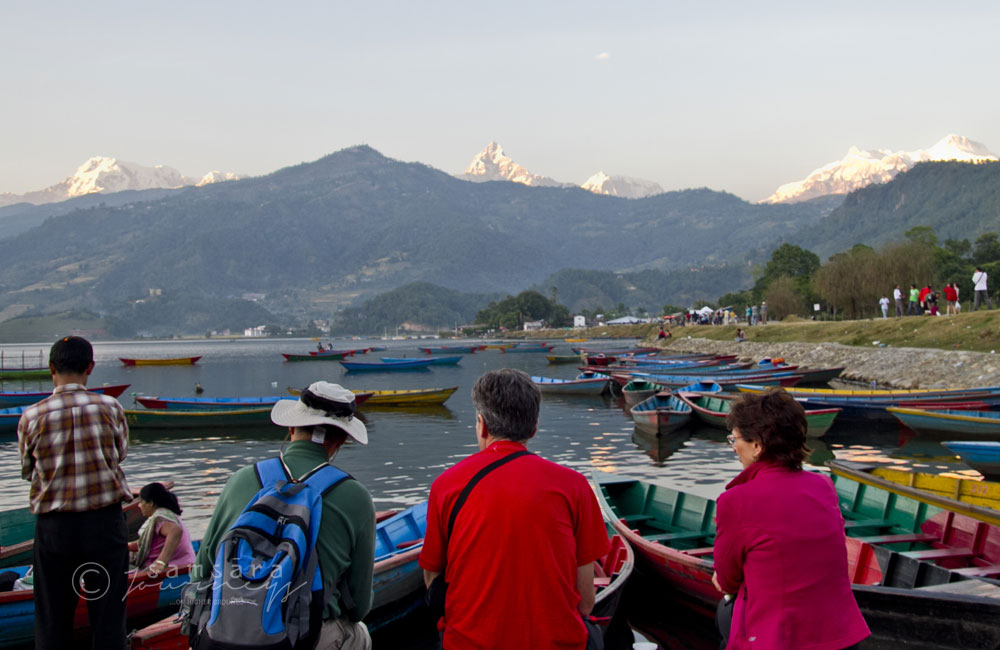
(860, 168)
(102, 174)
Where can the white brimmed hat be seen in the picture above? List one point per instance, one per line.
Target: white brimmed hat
(321, 403)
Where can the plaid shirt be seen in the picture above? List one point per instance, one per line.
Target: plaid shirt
(71, 446)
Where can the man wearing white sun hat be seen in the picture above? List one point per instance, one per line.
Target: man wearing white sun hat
(319, 424)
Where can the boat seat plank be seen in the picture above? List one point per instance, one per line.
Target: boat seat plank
(979, 571)
(868, 523)
(602, 582)
(699, 552)
(940, 553)
(632, 519)
(671, 537)
(898, 539)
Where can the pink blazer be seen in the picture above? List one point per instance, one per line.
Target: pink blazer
(780, 546)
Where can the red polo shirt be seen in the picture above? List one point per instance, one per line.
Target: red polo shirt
(512, 558)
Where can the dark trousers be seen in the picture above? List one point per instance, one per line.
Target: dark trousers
(981, 297)
(70, 546)
(912, 309)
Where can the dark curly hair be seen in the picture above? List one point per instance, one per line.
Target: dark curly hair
(777, 421)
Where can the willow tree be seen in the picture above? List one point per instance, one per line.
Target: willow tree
(851, 281)
(784, 297)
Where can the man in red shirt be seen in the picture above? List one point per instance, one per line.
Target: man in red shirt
(519, 559)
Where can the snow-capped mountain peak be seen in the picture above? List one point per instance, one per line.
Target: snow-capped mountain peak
(492, 164)
(107, 174)
(621, 186)
(860, 168)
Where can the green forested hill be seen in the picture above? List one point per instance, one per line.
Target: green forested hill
(957, 200)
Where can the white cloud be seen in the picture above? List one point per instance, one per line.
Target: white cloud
(603, 56)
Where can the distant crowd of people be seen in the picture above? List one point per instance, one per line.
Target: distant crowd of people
(926, 301)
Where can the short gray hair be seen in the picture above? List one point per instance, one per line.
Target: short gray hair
(509, 402)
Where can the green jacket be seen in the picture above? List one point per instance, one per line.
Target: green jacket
(346, 539)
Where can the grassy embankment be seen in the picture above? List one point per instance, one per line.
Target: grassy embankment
(976, 332)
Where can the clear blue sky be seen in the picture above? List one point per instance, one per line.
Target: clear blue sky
(733, 96)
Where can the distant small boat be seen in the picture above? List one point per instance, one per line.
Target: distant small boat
(25, 373)
(586, 386)
(177, 361)
(527, 349)
(326, 356)
(219, 403)
(661, 413)
(562, 358)
(24, 398)
(575, 340)
(453, 349)
(404, 364)
(433, 361)
(982, 456)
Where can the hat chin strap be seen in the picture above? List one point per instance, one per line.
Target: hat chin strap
(288, 471)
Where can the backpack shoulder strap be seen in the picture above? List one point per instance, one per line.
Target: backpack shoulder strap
(270, 471)
(475, 479)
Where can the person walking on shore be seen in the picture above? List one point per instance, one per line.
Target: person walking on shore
(884, 304)
(979, 280)
(72, 445)
(897, 297)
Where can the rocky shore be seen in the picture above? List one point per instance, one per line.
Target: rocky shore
(888, 367)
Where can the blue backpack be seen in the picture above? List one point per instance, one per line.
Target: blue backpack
(266, 590)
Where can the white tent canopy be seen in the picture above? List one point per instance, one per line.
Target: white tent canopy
(625, 320)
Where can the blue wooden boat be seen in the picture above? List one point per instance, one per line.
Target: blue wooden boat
(727, 383)
(397, 580)
(532, 349)
(10, 399)
(585, 386)
(207, 403)
(9, 419)
(981, 455)
(984, 424)
(433, 361)
(146, 597)
(661, 413)
(405, 364)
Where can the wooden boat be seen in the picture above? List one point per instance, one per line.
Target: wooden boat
(982, 456)
(533, 349)
(966, 486)
(949, 421)
(585, 386)
(562, 358)
(9, 419)
(672, 533)
(151, 419)
(575, 340)
(177, 361)
(10, 399)
(712, 409)
(869, 474)
(25, 373)
(405, 364)
(434, 361)
(17, 530)
(638, 390)
(453, 349)
(727, 383)
(661, 413)
(147, 596)
(219, 403)
(405, 397)
(315, 356)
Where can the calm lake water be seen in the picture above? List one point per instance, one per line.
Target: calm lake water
(408, 448)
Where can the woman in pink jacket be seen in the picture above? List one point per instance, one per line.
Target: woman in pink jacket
(779, 542)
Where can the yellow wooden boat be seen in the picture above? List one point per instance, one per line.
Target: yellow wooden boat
(405, 397)
(178, 361)
(967, 496)
(575, 340)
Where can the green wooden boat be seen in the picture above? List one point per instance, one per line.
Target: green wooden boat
(713, 409)
(150, 419)
(639, 390)
(25, 373)
(17, 531)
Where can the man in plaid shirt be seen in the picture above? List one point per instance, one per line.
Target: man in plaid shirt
(71, 446)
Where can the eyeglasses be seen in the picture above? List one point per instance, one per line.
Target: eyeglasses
(731, 439)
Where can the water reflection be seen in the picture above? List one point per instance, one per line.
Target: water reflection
(660, 447)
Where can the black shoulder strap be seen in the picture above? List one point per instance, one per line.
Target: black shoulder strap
(475, 479)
